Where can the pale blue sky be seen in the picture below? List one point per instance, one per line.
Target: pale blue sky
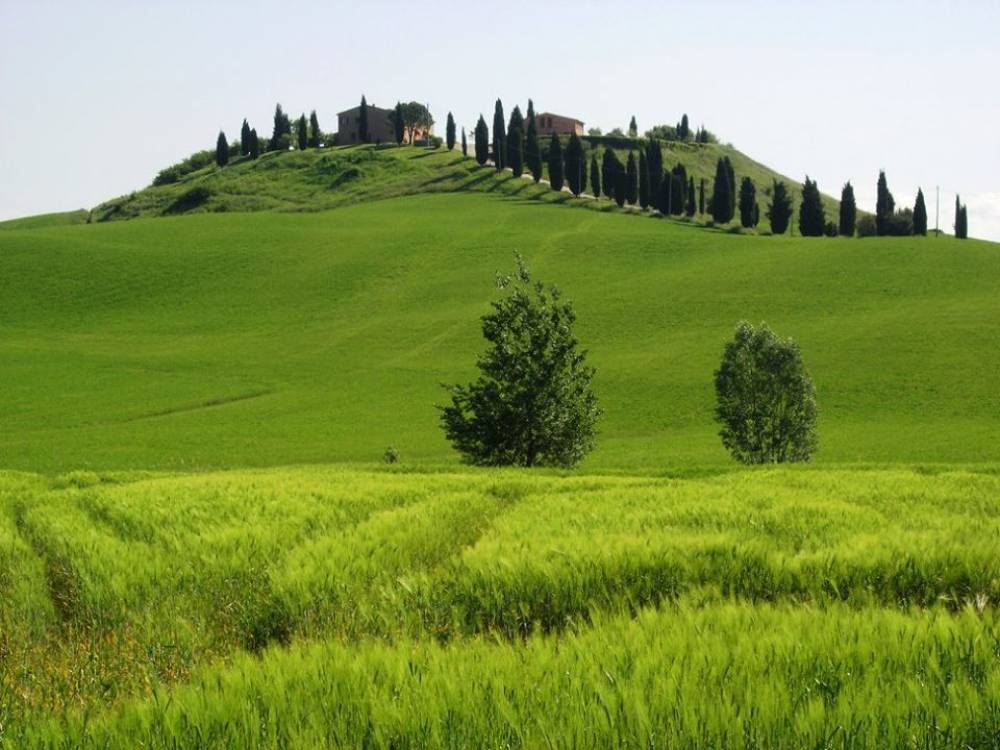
(98, 96)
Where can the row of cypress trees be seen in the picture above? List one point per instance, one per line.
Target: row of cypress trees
(307, 134)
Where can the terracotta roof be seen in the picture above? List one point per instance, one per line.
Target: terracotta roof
(561, 117)
(358, 108)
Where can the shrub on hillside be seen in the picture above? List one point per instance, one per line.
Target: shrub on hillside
(533, 404)
(189, 200)
(900, 224)
(197, 160)
(766, 400)
(866, 226)
(831, 229)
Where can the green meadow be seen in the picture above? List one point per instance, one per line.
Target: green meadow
(199, 546)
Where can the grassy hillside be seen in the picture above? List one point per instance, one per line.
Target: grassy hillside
(386, 609)
(316, 180)
(66, 218)
(270, 338)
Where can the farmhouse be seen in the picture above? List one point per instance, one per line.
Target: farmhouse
(548, 123)
(380, 127)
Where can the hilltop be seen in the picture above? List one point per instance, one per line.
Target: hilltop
(234, 339)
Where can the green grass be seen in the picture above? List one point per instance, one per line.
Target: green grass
(777, 607)
(267, 339)
(66, 218)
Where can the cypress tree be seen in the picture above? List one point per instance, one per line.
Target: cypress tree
(499, 137)
(221, 150)
(315, 134)
(516, 120)
(302, 132)
(920, 214)
(363, 134)
(678, 189)
(450, 133)
(812, 217)
(965, 222)
(555, 163)
(515, 151)
(701, 196)
(608, 170)
(279, 129)
(885, 206)
(664, 197)
(748, 199)
(684, 131)
(398, 124)
(690, 207)
(595, 176)
(722, 205)
(254, 150)
(245, 138)
(631, 179)
(465, 144)
(654, 167)
(779, 213)
(848, 211)
(621, 187)
(961, 220)
(482, 139)
(633, 130)
(575, 165)
(643, 180)
(532, 152)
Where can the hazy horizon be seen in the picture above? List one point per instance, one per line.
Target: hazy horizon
(98, 99)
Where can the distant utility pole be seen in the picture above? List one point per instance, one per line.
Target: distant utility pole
(937, 209)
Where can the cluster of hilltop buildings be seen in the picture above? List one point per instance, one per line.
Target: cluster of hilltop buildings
(381, 130)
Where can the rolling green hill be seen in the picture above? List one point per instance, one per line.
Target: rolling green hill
(272, 338)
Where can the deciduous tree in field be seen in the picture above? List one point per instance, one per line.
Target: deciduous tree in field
(812, 217)
(315, 134)
(302, 133)
(920, 214)
(515, 151)
(766, 403)
(450, 132)
(245, 138)
(533, 403)
(779, 213)
(499, 137)
(482, 141)
(848, 211)
(575, 165)
(363, 134)
(595, 176)
(748, 202)
(885, 206)
(555, 163)
(221, 150)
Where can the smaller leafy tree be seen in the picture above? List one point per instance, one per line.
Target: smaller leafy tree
(221, 150)
(533, 404)
(766, 402)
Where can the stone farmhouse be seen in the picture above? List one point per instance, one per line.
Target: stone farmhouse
(380, 127)
(547, 123)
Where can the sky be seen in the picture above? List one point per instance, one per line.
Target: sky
(97, 97)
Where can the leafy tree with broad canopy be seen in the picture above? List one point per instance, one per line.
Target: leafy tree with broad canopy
(766, 400)
(532, 404)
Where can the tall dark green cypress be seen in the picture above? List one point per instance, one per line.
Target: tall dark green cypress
(609, 168)
(722, 205)
(961, 220)
(678, 189)
(920, 215)
(516, 119)
(398, 123)
(465, 144)
(221, 150)
(631, 179)
(848, 211)
(555, 163)
(482, 141)
(812, 217)
(701, 196)
(575, 165)
(654, 165)
(885, 206)
(691, 206)
(363, 133)
(684, 131)
(532, 150)
(499, 138)
(621, 187)
(302, 132)
(515, 151)
(633, 130)
(280, 119)
(245, 138)
(643, 180)
(450, 132)
(748, 200)
(964, 213)
(780, 211)
(315, 134)
(595, 176)
(254, 150)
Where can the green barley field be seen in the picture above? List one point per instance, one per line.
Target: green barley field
(199, 547)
